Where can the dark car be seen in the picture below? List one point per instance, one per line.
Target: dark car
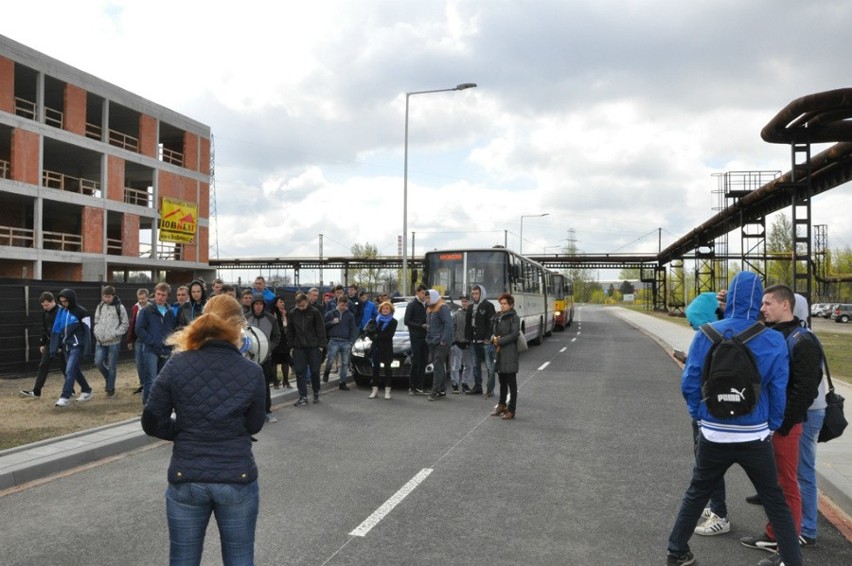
(362, 367)
(842, 313)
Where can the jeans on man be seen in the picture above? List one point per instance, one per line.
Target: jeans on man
(188, 508)
(787, 461)
(717, 497)
(44, 369)
(757, 458)
(108, 353)
(461, 364)
(305, 359)
(438, 355)
(138, 351)
(807, 471)
(419, 355)
(73, 373)
(344, 348)
(484, 352)
(152, 363)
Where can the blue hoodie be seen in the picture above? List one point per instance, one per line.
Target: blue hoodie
(742, 308)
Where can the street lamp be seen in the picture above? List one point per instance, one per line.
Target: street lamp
(462, 86)
(521, 249)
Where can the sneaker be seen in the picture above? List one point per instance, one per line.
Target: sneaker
(316, 398)
(277, 386)
(714, 525)
(680, 560)
(343, 386)
(434, 396)
(806, 541)
(442, 393)
(474, 391)
(418, 391)
(110, 393)
(62, 402)
(455, 389)
(411, 391)
(774, 560)
(465, 387)
(301, 401)
(761, 542)
(85, 395)
(271, 419)
(30, 394)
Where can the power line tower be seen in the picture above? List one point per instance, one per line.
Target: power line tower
(213, 220)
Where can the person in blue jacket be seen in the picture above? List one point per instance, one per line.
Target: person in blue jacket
(71, 334)
(218, 398)
(744, 439)
(154, 324)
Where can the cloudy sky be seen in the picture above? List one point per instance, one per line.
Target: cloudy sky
(611, 116)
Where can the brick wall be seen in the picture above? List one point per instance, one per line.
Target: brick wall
(130, 235)
(93, 230)
(25, 157)
(148, 136)
(7, 85)
(75, 110)
(115, 178)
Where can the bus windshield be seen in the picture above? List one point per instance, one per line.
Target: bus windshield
(446, 272)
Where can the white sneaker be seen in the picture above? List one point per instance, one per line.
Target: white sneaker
(85, 396)
(715, 525)
(62, 402)
(271, 419)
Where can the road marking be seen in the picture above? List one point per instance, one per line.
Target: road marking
(565, 348)
(379, 514)
(573, 339)
(542, 366)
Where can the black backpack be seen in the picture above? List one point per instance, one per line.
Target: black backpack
(730, 382)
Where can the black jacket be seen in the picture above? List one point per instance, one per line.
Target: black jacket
(415, 319)
(219, 399)
(479, 320)
(805, 375)
(47, 320)
(382, 348)
(305, 328)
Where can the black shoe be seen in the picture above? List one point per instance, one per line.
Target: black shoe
(301, 402)
(316, 398)
(754, 499)
(465, 388)
(474, 391)
(30, 394)
(443, 393)
(455, 389)
(680, 560)
(761, 542)
(774, 560)
(325, 377)
(806, 541)
(343, 386)
(110, 392)
(137, 390)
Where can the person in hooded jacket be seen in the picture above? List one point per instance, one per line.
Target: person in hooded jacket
(110, 325)
(744, 439)
(50, 308)
(439, 338)
(217, 397)
(266, 323)
(281, 353)
(71, 333)
(506, 329)
(194, 306)
(480, 314)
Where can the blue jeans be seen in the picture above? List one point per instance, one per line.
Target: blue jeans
(757, 458)
(138, 349)
(152, 363)
(188, 508)
(344, 348)
(109, 352)
(484, 353)
(73, 373)
(807, 471)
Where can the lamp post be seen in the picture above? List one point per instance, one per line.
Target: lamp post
(521, 248)
(462, 86)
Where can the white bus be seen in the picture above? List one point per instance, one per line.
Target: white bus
(498, 270)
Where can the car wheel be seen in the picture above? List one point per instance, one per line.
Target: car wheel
(844, 318)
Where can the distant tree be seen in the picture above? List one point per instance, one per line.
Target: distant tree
(610, 290)
(780, 241)
(626, 288)
(582, 279)
(368, 277)
(630, 273)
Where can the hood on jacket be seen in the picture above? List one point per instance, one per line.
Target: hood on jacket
(800, 309)
(702, 310)
(199, 283)
(70, 295)
(434, 296)
(744, 297)
(482, 293)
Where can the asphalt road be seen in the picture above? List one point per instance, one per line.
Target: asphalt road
(590, 472)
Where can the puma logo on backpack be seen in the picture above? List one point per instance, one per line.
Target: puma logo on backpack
(730, 382)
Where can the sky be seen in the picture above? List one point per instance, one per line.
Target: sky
(610, 116)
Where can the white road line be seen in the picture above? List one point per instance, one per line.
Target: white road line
(379, 514)
(573, 339)
(542, 366)
(565, 348)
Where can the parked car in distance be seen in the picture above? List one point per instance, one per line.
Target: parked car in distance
(817, 308)
(828, 310)
(842, 313)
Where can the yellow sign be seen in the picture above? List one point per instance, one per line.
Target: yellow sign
(178, 221)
